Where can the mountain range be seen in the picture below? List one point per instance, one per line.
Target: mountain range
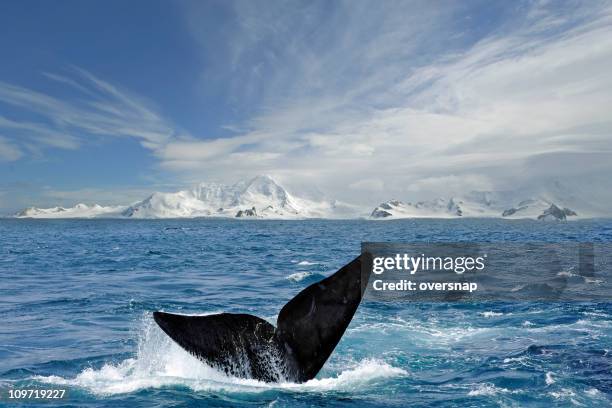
(535, 208)
(259, 197)
(263, 198)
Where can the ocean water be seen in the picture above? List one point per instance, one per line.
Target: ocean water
(76, 298)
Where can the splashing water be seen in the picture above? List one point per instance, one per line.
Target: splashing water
(160, 362)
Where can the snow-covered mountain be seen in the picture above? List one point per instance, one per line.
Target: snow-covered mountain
(477, 204)
(259, 197)
(78, 211)
(540, 209)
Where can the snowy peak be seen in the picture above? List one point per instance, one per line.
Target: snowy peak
(259, 197)
(264, 186)
(265, 192)
(554, 213)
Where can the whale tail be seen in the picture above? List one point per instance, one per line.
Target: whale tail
(308, 329)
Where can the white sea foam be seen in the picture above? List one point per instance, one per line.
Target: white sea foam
(298, 276)
(567, 274)
(429, 332)
(549, 378)
(593, 392)
(491, 314)
(595, 313)
(487, 389)
(520, 359)
(307, 263)
(159, 362)
(366, 371)
(563, 393)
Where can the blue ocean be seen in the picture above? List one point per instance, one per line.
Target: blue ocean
(77, 298)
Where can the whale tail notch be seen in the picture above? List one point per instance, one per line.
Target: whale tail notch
(308, 329)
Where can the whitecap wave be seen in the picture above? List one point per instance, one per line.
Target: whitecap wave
(593, 392)
(491, 314)
(299, 276)
(487, 389)
(564, 393)
(307, 263)
(160, 362)
(520, 359)
(567, 274)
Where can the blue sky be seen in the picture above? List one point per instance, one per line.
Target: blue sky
(108, 101)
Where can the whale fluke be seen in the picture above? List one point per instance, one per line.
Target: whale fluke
(308, 329)
(239, 344)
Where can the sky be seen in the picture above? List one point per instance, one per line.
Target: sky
(362, 101)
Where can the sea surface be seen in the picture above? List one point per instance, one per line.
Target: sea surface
(76, 298)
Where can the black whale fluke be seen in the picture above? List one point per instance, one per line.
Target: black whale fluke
(309, 327)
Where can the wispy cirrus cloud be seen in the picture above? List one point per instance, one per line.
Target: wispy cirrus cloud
(101, 110)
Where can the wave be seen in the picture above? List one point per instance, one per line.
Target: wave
(593, 392)
(419, 330)
(488, 390)
(159, 362)
(564, 393)
(299, 276)
(491, 314)
(307, 263)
